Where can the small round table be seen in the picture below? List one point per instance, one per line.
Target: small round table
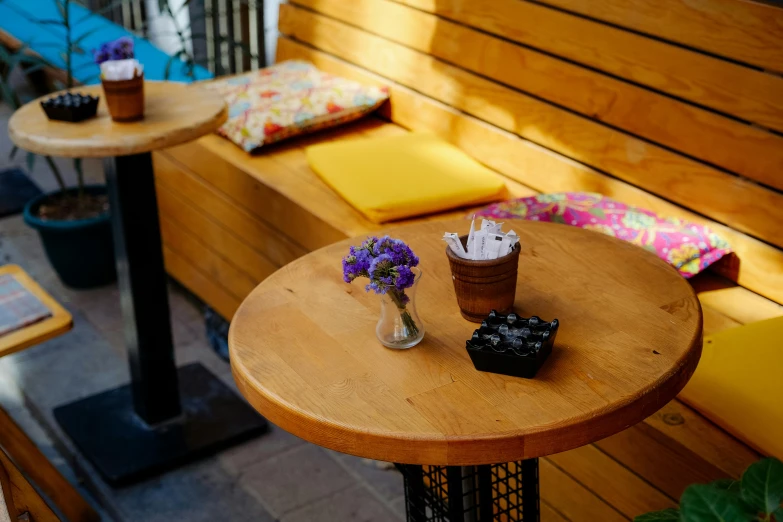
(304, 353)
(165, 416)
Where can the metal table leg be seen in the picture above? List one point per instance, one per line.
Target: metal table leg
(165, 416)
(472, 493)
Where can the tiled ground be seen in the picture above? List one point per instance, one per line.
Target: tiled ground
(275, 477)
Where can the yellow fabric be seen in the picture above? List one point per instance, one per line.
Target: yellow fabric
(738, 384)
(398, 177)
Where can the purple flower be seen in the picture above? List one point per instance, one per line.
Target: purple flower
(386, 262)
(120, 49)
(405, 277)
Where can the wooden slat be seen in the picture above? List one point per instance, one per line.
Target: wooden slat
(745, 31)
(736, 146)
(26, 455)
(572, 499)
(663, 462)
(611, 481)
(762, 265)
(233, 249)
(701, 437)
(223, 273)
(218, 206)
(22, 495)
(200, 284)
(731, 200)
(733, 89)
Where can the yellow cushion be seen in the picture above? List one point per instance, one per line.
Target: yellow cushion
(738, 384)
(403, 176)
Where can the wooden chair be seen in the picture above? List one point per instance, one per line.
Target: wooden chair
(17, 451)
(19, 500)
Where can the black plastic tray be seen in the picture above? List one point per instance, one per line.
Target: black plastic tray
(512, 345)
(71, 107)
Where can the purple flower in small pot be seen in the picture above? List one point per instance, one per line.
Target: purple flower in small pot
(119, 49)
(387, 263)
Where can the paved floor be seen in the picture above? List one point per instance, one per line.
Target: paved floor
(275, 477)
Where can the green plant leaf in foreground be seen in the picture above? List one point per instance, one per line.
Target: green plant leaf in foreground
(732, 486)
(706, 503)
(762, 485)
(667, 515)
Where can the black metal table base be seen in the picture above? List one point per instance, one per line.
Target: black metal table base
(123, 448)
(507, 492)
(165, 416)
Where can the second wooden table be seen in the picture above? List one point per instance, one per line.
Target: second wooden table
(304, 353)
(165, 416)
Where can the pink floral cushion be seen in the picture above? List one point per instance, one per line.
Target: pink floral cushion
(688, 247)
(290, 99)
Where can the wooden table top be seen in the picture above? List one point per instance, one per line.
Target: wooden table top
(57, 324)
(174, 113)
(304, 352)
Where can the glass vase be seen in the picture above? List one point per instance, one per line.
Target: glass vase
(399, 326)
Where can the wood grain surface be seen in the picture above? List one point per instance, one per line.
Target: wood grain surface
(59, 322)
(734, 145)
(743, 30)
(304, 352)
(34, 464)
(174, 113)
(747, 93)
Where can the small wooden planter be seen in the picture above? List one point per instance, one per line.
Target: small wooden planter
(483, 286)
(125, 98)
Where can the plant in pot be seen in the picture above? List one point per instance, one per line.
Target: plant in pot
(756, 497)
(73, 223)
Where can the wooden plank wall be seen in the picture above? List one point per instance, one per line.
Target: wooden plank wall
(687, 128)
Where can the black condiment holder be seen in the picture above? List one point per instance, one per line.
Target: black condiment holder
(512, 345)
(70, 107)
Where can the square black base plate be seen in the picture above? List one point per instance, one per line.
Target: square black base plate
(124, 449)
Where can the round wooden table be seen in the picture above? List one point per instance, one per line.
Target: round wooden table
(164, 416)
(304, 353)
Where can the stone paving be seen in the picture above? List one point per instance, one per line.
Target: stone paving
(275, 477)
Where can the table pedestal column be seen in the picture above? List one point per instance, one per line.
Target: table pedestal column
(506, 492)
(165, 416)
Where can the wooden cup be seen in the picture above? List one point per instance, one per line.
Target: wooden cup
(483, 286)
(125, 98)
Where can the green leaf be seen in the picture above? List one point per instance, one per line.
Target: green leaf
(732, 486)
(598, 212)
(667, 515)
(705, 503)
(557, 218)
(762, 485)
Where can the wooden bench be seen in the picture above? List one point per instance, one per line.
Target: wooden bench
(672, 106)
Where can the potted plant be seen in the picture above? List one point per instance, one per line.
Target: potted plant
(756, 497)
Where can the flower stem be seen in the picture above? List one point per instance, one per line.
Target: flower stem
(397, 297)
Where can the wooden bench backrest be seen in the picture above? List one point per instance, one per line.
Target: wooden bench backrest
(671, 105)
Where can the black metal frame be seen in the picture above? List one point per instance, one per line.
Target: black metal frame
(165, 416)
(506, 492)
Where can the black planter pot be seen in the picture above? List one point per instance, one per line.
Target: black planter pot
(81, 251)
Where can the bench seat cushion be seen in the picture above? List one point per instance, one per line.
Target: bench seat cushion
(737, 384)
(398, 177)
(688, 247)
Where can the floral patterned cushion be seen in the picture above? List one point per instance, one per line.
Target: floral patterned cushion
(688, 247)
(289, 99)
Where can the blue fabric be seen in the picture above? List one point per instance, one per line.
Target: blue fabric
(21, 19)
